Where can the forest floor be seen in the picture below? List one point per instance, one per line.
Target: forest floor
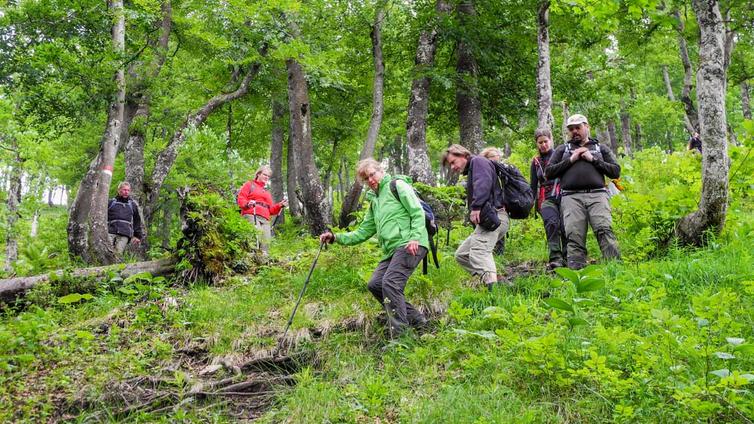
(668, 339)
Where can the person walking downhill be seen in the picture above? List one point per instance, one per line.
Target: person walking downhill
(486, 211)
(582, 165)
(398, 221)
(257, 205)
(123, 220)
(493, 154)
(547, 192)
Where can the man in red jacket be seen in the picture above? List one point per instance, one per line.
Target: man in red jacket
(257, 207)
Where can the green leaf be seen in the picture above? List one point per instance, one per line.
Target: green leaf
(141, 276)
(126, 290)
(577, 321)
(725, 355)
(735, 341)
(588, 284)
(84, 335)
(568, 274)
(591, 270)
(721, 372)
(558, 304)
(748, 377)
(70, 298)
(745, 349)
(579, 300)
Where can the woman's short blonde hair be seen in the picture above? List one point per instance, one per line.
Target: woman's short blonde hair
(263, 168)
(366, 165)
(491, 152)
(456, 150)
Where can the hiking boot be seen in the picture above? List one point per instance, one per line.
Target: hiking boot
(555, 264)
(503, 281)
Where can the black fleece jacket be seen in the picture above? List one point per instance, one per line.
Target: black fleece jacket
(583, 175)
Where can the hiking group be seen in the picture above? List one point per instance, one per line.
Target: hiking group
(566, 188)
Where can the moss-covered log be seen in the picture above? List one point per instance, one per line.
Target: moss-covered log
(10, 288)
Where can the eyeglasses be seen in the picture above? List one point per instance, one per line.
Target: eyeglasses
(572, 128)
(266, 175)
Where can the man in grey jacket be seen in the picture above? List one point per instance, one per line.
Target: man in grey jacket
(582, 165)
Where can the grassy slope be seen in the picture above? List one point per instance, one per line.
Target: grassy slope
(654, 334)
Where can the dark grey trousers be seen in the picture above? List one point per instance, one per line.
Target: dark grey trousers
(389, 280)
(555, 230)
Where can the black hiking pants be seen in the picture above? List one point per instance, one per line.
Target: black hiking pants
(555, 230)
(388, 282)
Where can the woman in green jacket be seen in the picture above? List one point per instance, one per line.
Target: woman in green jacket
(398, 222)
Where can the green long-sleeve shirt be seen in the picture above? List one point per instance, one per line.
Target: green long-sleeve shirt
(394, 222)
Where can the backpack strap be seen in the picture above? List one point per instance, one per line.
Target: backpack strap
(432, 244)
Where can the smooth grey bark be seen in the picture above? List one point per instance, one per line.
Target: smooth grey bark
(544, 84)
(420, 166)
(745, 102)
(351, 201)
(11, 288)
(12, 204)
(688, 75)
(87, 223)
(292, 178)
(317, 210)
(671, 96)
(468, 104)
(167, 156)
(711, 99)
(138, 110)
(612, 135)
(277, 144)
(564, 129)
(625, 125)
(229, 145)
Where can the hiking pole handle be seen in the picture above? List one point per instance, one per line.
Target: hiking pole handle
(301, 293)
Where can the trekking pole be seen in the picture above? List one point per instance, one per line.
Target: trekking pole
(300, 295)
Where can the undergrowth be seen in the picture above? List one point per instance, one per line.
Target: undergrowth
(667, 335)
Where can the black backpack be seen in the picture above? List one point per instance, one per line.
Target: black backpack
(517, 195)
(429, 222)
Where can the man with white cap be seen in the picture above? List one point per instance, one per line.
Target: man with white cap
(582, 164)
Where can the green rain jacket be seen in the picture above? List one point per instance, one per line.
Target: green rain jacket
(395, 223)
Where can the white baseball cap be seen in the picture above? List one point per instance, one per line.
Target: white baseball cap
(576, 120)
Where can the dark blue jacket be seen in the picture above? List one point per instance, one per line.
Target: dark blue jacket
(482, 185)
(123, 217)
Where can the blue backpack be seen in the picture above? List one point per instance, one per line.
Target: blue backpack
(429, 222)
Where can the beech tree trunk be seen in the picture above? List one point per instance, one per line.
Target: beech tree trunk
(544, 85)
(613, 136)
(418, 103)
(292, 178)
(711, 98)
(468, 104)
(277, 188)
(625, 124)
(12, 203)
(138, 112)
(87, 224)
(688, 75)
(669, 87)
(564, 129)
(351, 202)
(745, 104)
(316, 207)
(166, 158)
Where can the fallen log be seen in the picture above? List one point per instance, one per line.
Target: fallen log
(10, 288)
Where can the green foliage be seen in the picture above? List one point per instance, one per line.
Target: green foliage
(216, 240)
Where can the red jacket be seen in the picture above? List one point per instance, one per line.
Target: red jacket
(254, 191)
